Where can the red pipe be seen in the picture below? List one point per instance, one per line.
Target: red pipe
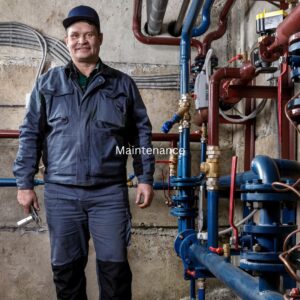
(9, 134)
(252, 91)
(285, 139)
(249, 148)
(136, 28)
(286, 28)
(231, 201)
(213, 104)
(164, 162)
(212, 36)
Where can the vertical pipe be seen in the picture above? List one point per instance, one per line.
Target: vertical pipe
(179, 22)
(192, 289)
(201, 289)
(249, 148)
(212, 218)
(185, 45)
(231, 205)
(186, 157)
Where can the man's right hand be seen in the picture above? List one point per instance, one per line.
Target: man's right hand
(26, 198)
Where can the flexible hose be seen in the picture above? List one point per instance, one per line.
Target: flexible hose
(241, 222)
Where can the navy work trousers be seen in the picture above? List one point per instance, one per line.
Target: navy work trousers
(73, 214)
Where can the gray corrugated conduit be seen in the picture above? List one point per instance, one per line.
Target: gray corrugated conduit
(14, 34)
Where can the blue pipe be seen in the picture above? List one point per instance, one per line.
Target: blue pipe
(185, 47)
(8, 182)
(201, 294)
(244, 285)
(202, 28)
(192, 289)
(186, 153)
(212, 218)
(266, 169)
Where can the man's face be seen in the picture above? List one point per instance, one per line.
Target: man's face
(83, 42)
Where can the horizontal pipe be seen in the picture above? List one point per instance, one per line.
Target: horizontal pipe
(9, 182)
(9, 134)
(266, 169)
(162, 137)
(244, 285)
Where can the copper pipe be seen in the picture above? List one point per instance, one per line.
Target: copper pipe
(136, 28)
(286, 28)
(9, 134)
(212, 36)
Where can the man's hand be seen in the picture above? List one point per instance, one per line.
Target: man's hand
(144, 195)
(26, 198)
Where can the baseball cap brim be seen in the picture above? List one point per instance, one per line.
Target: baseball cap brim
(71, 20)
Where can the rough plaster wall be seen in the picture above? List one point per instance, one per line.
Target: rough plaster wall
(25, 254)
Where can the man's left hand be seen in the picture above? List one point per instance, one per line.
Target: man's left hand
(144, 195)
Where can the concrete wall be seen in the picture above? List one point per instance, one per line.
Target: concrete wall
(24, 262)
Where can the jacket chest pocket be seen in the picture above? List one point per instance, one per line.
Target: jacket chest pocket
(111, 111)
(59, 105)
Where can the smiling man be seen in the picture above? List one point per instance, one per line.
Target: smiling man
(77, 116)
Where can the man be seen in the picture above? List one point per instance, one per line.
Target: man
(78, 115)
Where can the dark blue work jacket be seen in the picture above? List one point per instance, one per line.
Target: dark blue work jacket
(77, 132)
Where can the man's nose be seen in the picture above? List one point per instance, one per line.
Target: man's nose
(82, 39)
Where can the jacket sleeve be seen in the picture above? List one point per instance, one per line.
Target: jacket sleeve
(140, 137)
(30, 143)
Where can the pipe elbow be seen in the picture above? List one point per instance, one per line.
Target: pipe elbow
(266, 168)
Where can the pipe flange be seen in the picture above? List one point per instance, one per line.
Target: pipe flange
(264, 53)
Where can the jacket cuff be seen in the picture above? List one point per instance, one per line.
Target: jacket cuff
(24, 184)
(145, 179)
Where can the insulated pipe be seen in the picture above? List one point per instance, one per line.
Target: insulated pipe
(212, 36)
(244, 285)
(205, 22)
(156, 16)
(136, 28)
(286, 28)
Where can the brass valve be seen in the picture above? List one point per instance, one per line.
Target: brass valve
(172, 164)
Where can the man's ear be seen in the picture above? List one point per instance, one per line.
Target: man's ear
(101, 38)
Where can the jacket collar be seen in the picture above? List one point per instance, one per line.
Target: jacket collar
(72, 71)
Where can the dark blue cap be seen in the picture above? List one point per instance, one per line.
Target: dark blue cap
(82, 13)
